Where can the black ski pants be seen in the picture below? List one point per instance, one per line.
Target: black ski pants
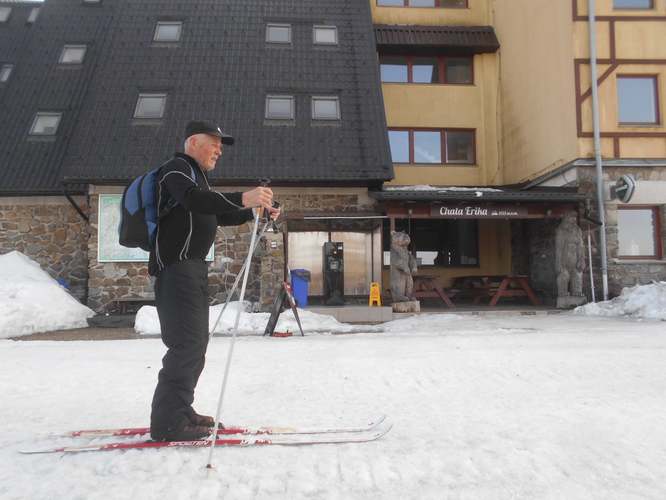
(181, 295)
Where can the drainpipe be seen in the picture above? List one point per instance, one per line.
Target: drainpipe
(597, 145)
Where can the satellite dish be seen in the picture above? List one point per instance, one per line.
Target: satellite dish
(624, 188)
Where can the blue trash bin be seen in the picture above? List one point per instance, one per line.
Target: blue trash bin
(300, 282)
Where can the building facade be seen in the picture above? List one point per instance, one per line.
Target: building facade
(465, 123)
(553, 147)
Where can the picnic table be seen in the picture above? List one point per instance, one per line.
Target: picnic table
(426, 286)
(495, 287)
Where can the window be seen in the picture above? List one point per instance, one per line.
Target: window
(633, 4)
(436, 146)
(459, 146)
(325, 35)
(427, 146)
(638, 232)
(434, 69)
(5, 12)
(447, 4)
(5, 72)
(45, 123)
(438, 242)
(278, 33)
(168, 31)
(637, 100)
(280, 107)
(394, 69)
(150, 106)
(34, 14)
(459, 70)
(72, 54)
(325, 108)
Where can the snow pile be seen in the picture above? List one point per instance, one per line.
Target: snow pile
(32, 301)
(428, 187)
(640, 301)
(147, 321)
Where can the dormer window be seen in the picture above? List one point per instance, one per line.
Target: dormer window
(45, 124)
(168, 31)
(72, 54)
(150, 106)
(280, 107)
(34, 14)
(5, 72)
(5, 12)
(278, 33)
(325, 35)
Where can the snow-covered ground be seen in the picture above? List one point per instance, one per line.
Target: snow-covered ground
(484, 407)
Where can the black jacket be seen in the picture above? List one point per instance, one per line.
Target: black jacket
(187, 230)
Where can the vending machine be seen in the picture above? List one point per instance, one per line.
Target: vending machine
(333, 267)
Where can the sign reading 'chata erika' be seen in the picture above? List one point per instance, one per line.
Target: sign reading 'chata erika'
(478, 211)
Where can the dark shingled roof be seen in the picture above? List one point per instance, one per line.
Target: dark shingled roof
(419, 39)
(480, 194)
(221, 70)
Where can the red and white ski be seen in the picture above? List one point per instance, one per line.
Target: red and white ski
(285, 440)
(271, 430)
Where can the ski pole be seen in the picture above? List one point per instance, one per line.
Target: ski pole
(246, 274)
(237, 281)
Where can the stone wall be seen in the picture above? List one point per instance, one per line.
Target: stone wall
(622, 272)
(51, 232)
(117, 280)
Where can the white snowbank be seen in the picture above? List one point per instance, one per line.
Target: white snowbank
(428, 187)
(147, 322)
(31, 301)
(640, 301)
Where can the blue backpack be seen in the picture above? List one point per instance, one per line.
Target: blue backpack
(139, 213)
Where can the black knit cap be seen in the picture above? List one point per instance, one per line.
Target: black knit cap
(203, 127)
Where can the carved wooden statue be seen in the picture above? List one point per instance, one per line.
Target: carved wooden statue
(403, 266)
(569, 257)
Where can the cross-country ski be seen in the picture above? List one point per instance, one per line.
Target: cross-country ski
(284, 440)
(139, 431)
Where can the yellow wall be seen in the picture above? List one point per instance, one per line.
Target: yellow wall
(537, 90)
(450, 106)
(494, 255)
(633, 40)
(476, 15)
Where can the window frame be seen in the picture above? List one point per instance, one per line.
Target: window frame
(170, 23)
(279, 25)
(9, 11)
(442, 144)
(40, 114)
(656, 103)
(325, 98)
(438, 5)
(72, 46)
(324, 27)
(3, 67)
(441, 69)
(651, 7)
(145, 94)
(657, 236)
(290, 97)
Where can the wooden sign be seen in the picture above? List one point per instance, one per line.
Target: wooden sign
(284, 297)
(469, 211)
